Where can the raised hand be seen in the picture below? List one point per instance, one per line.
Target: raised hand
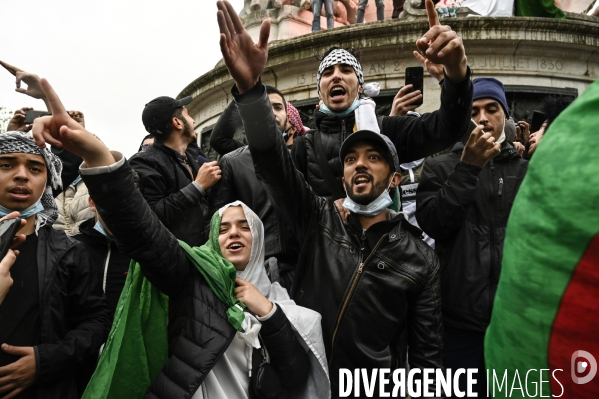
(62, 131)
(17, 122)
(404, 101)
(441, 45)
(435, 70)
(480, 148)
(33, 82)
(244, 59)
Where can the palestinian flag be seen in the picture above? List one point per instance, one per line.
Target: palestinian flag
(538, 8)
(546, 312)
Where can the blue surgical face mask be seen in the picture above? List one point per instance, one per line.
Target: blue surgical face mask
(99, 228)
(25, 213)
(378, 205)
(352, 108)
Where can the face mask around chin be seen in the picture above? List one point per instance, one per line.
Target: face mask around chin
(372, 209)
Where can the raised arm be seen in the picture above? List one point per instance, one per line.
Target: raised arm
(285, 186)
(138, 232)
(33, 82)
(416, 138)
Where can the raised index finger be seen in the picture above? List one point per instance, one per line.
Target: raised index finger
(431, 13)
(10, 68)
(54, 102)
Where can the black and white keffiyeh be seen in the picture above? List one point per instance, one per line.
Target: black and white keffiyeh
(22, 143)
(339, 56)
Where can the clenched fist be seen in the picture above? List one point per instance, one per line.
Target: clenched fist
(208, 175)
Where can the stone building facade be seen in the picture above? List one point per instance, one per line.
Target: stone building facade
(533, 57)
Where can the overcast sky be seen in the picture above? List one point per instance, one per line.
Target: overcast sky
(108, 58)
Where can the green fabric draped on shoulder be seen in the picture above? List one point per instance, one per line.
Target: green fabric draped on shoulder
(137, 346)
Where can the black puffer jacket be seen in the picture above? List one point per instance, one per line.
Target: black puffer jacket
(74, 317)
(168, 189)
(199, 332)
(465, 209)
(366, 298)
(414, 138)
(238, 182)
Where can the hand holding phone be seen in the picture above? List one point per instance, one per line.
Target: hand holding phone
(537, 120)
(415, 77)
(8, 231)
(31, 115)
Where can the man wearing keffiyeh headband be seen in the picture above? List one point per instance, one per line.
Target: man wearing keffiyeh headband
(55, 317)
(344, 109)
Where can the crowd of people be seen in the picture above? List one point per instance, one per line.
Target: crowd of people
(370, 242)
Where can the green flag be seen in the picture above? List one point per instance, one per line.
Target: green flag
(137, 346)
(546, 312)
(538, 8)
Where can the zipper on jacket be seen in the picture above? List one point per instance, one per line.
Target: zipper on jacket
(343, 131)
(352, 287)
(500, 191)
(492, 244)
(106, 268)
(399, 274)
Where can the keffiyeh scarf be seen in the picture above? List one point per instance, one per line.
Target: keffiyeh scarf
(22, 143)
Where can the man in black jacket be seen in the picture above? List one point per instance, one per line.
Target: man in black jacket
(370, 280)
(339, 85)
(55, 316)
(174, 183)
(463, 202)
(238, 182)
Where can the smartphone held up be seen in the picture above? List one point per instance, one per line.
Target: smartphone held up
(415, 77)
(8, 231)
(31, 115)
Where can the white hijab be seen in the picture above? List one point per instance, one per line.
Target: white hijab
(305, 323)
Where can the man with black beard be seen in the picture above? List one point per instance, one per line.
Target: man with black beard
(371, 279)
(174, 183)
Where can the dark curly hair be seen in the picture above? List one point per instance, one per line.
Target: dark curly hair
(553, 105)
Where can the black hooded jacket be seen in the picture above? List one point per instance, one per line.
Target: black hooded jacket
(466, 209)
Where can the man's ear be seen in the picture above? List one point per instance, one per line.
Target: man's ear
(395, 180)
(360, 90)
(177, 123)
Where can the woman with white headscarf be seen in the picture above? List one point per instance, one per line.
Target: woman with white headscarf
(231, 333)
(290, 334)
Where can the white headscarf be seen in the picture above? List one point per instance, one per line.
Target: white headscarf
(305, 322)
